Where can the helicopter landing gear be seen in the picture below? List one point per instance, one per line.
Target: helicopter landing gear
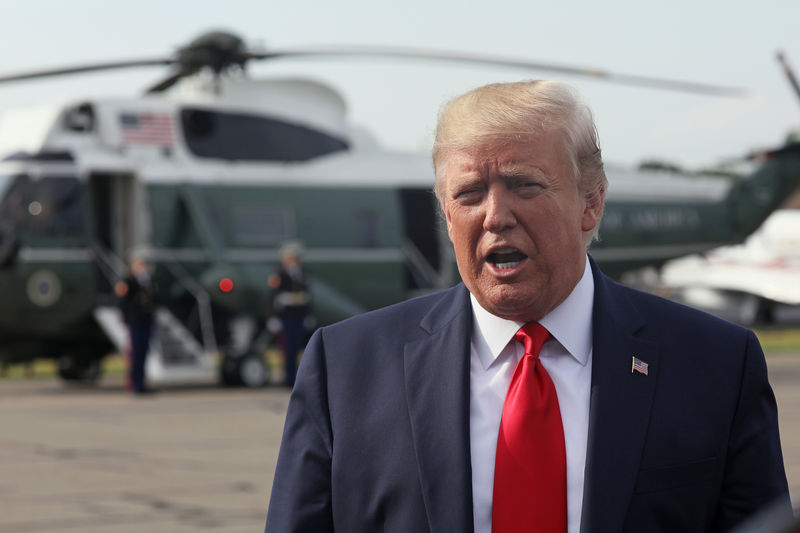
(84, 368)
(243, 363)
(249, 370)
(253, 371)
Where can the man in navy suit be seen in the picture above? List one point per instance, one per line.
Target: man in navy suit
(669, 423)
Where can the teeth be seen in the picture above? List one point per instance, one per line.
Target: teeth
(506, 258)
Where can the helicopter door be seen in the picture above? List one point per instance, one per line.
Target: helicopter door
(116, 226)
(422, 243)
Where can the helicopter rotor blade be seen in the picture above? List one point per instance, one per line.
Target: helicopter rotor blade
(221, 51)
(166, 83)
(91, 67)
(484, 59)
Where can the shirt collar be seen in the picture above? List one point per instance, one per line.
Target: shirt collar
(570, 324)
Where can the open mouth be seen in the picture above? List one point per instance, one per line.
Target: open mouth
(506, 258)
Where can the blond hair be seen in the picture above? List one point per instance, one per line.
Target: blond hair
(502, 114)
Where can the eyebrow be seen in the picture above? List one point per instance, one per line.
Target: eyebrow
(466, 181)
(518, 171)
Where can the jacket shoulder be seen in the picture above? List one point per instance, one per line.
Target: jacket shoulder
(404, 320)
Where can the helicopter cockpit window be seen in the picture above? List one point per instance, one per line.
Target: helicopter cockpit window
(14, 204)
(56, 210)
(250, 138)
(14, 193)
(50, 206)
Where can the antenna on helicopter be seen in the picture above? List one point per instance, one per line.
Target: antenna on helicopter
(221, 52)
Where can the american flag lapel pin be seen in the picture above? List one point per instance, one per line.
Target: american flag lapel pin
(637, 365)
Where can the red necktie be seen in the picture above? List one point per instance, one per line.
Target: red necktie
(530, 469)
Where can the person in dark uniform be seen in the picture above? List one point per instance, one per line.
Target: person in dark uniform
(137, 293)
(292, 304)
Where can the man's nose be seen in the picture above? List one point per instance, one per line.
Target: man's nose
(499, 215)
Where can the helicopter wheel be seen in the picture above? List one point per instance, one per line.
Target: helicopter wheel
(253, 371)
(249, 370)
(79, 368)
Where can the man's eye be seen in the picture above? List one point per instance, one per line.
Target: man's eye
(468, 193)
(528, 186)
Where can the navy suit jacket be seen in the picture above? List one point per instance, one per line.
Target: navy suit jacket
(377, 430)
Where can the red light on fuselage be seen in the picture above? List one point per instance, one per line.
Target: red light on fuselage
(226, 284)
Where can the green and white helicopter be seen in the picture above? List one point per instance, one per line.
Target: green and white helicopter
(211, 173)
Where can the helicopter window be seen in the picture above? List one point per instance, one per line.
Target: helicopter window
(250, 138)
(14, 207)
(257, 225)
(55, 208)
(80, 118)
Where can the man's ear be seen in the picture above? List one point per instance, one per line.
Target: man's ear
(593, 210)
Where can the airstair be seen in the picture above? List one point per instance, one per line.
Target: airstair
(175, 356)
(110, 320)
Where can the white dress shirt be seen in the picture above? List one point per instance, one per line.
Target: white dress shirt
(566, 357)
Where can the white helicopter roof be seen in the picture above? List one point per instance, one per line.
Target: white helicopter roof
(642, 186)
(297, 100)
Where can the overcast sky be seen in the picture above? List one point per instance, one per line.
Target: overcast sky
(718, 42)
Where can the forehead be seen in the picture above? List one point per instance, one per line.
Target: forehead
(546, 153)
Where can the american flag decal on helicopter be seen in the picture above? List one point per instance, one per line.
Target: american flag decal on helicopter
(147, 128)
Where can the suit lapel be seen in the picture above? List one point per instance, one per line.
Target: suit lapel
(437, 392)
(619, 408)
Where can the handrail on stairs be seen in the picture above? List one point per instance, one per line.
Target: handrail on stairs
(113, 268)
(200, 295)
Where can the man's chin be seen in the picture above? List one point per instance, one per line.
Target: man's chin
(512, 304)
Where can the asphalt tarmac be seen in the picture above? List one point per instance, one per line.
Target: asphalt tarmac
(188, 459)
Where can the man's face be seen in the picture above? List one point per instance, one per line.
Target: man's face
(290, 261)
(139, 266)
(517, 222)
